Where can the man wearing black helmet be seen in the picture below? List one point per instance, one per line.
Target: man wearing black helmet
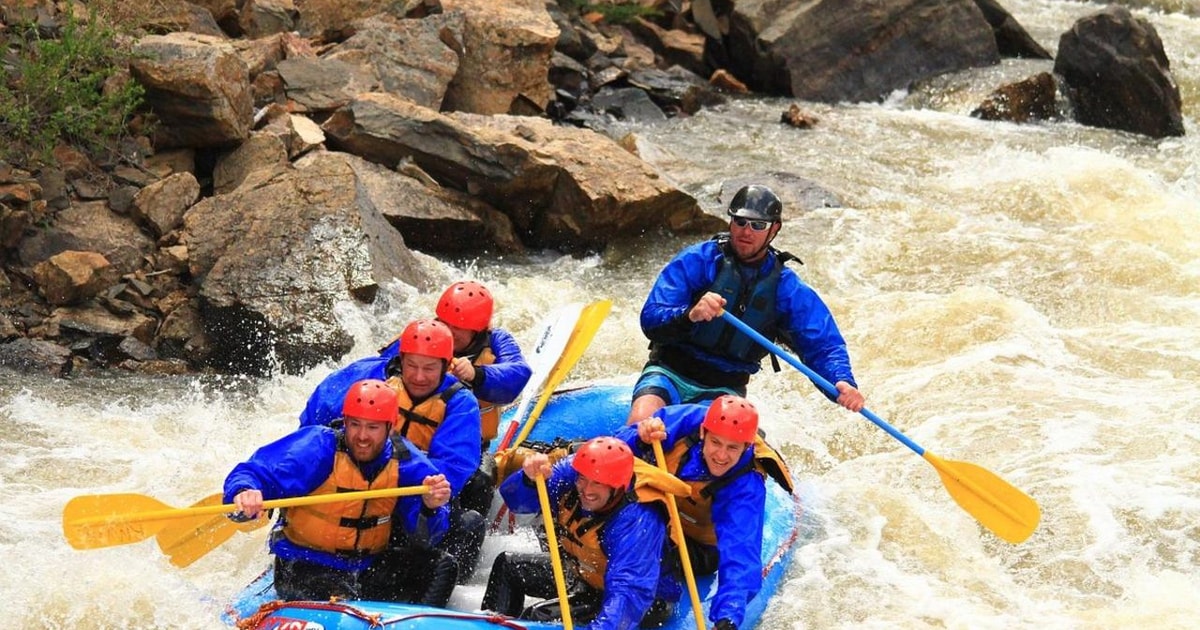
(694, 354)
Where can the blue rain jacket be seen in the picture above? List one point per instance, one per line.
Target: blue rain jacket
(631, 539)
(738, 510)
(804, 323)
(297, 464)
(454, 449)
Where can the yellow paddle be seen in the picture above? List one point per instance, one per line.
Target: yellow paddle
(186, 540)
(560, 581)
(677, 534)
(105, 520)
(548, 348)
(589, 321)
(997, 505)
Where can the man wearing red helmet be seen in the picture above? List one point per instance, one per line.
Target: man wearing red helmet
(695, 355)
(441, 417)
(373, 549)
(486, 359)
(715, 448)
(611, 528)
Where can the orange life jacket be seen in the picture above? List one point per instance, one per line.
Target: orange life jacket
(579, 534)
(418, 423)
(351, 527)
(696, 510)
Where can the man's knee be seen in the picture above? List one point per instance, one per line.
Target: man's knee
(471, 526)
(465, 542)
(659, 613)
(645, 407)
(441, 582)
(503, 594)
(479, 490)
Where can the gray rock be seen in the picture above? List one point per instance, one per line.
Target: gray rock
(1118, 75)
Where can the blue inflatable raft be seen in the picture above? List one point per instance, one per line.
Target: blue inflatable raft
(573, 414)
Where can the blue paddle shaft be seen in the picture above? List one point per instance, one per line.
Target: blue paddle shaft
(820, 381)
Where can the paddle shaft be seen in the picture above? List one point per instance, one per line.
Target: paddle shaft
(173, 513)
(819, 380)
(560, 582)
(684, 557)
(995, 503)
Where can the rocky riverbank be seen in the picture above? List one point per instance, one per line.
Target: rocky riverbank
(293, 155)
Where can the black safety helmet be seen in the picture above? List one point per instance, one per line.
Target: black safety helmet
(756, 202)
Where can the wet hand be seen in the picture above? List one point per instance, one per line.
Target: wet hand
(849, 397)
(439, 491)
(249, 503)
(462, 369)
(651, 430)
(536, 465)
(710, 306)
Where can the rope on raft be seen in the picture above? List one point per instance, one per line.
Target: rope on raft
(374, 621)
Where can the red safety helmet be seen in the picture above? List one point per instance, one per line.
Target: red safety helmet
(733, 418)
(371, 400)
(605, 460)
(427, 337)
(466, 305)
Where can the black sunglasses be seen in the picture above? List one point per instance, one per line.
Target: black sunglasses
(756, 225)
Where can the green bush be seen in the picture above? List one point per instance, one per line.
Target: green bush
(54, 91)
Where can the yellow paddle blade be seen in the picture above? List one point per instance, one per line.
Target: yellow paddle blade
(589, 322)
(547, 349)
(103, 520)
(996, 504)
(186, 540)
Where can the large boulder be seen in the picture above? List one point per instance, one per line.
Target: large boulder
(416, 59)
(1118, 76)
(1032, 98)
(160, 206)
(432, 218)
(35, 355)
(332, 20)
(253, 162)
(198, 86)
(506, 51)
(72, 277)
(272, 261)
(1012, 40)
(854, 50)
(561, 186)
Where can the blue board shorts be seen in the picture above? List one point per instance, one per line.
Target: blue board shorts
(661, 381)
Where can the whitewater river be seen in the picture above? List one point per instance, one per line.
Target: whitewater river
(1025, 298)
